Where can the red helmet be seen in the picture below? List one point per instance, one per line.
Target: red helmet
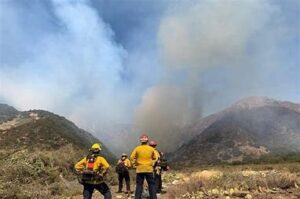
(144, 138)
(152, 143)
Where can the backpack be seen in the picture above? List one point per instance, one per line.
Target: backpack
(89, 174)
(163, 162)
(121, 168)
(90, 162)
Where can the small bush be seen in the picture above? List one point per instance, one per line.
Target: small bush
(193, 185)
(281, 180)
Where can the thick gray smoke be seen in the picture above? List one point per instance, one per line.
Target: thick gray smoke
(222, 51)
(120, 68)
(164, 111)
(213, 33)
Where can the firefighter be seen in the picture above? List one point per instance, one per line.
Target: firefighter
(92, 169)
(122, 169)
(144, 158)
(157, 168)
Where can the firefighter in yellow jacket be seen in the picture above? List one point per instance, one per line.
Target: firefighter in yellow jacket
(157, 168)
(92, 170)
(122, 170)
(144, 158)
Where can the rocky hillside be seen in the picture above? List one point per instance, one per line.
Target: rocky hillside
(250, 129)
(37, 152)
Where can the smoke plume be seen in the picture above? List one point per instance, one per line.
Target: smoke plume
(220, 49)
(212, 33)
(163, 112)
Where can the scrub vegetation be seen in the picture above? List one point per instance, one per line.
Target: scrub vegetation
(236, 181)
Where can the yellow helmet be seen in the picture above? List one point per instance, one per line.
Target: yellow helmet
(96, 147)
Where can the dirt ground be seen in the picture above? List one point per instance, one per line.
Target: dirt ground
(275, 194)
(115, 195)
(279, 181)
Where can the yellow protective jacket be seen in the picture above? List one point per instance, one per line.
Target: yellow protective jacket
(144, 158)
(100, 167)
(126, 162)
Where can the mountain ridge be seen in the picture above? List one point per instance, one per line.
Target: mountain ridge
(249, 129)
(38, 149)
(37, 118)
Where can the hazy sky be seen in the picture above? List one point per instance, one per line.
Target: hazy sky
(102, 63)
